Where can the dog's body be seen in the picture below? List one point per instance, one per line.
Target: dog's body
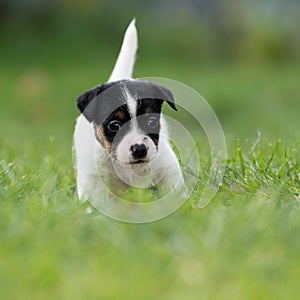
(121, 136)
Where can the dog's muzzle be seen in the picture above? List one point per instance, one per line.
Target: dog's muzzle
(138, 151)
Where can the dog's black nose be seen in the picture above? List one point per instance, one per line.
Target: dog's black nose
(138, 151)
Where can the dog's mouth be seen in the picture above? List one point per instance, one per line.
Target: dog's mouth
(139, 161)
(131, 162)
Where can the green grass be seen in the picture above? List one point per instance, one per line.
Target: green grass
(243, 245)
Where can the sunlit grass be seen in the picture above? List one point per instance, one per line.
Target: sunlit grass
(245, 241)
(243, 245)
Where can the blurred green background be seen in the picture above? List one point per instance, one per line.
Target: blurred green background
(242, 56)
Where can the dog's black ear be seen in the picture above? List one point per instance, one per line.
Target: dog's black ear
(85, 105)
(146, 89)
(168, 96)
(86, 102)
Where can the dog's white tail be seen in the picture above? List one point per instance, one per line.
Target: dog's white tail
(125, 62)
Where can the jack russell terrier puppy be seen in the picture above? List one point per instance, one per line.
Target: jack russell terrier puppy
(121, 137)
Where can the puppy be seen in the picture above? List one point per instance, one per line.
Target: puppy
(121, 137)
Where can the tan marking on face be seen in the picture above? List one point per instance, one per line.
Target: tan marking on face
(120, 115)
(101, 138)
(155, 141)
(148, 110)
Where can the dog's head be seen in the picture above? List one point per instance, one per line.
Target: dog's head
(126, 116)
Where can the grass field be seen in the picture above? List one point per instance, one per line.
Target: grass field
(244, 245)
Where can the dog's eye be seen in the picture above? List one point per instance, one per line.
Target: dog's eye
(114, 126)
(152, 122)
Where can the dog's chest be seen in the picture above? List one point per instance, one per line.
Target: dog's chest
(144, 175)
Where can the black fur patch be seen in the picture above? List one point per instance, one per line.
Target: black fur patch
(149, 108)
(106, 103)
(110, 136)
(88, 104)
(94, 103)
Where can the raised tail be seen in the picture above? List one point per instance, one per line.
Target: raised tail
(125, 62)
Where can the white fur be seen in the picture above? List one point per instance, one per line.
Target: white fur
(125, 62)
(92, 163)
